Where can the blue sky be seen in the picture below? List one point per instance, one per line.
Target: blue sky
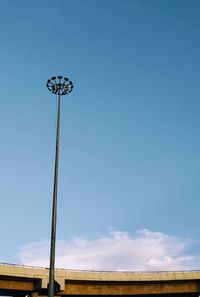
(130, 144)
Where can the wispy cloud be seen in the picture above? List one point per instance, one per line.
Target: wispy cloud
(115, 250)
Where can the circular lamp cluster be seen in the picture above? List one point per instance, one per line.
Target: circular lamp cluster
(59, 85)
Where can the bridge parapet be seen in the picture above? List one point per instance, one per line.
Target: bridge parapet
(34, 280)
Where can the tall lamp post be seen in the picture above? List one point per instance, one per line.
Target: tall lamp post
(59, 86)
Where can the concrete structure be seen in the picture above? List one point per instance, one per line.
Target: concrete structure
(22, 280)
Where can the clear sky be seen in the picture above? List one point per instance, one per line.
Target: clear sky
(130, 130)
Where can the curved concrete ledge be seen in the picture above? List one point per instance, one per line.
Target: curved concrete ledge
(35, 272)
(34, 280)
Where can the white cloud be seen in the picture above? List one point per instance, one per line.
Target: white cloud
(116, 250)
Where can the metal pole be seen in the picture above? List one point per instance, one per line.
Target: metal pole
(54, 210)
(60, 86)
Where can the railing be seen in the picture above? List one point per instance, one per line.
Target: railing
(97, 271)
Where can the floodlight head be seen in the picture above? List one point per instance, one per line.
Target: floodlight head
(59, 85)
